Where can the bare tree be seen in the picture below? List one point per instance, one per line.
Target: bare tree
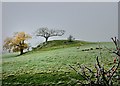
(102, 76)
(46, 33)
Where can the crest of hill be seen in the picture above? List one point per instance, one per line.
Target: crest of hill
(56, 44)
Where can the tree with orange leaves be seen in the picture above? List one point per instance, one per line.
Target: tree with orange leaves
(17, 42)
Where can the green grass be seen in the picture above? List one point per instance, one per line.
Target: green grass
(57, 44)
(51, 66)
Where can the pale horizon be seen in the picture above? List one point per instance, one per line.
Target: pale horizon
(86, 21)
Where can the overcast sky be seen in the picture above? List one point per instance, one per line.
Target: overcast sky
(89, 21)
(60, 0)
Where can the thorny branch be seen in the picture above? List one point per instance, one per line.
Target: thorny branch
(103, 77)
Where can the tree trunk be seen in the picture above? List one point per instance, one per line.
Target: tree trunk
(46, 39)
(21, 51)
(21, 47)
(9, 50)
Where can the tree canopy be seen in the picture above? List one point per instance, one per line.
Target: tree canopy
(46, 33)
(17, 42)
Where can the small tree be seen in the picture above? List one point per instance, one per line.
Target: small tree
(17, 42)
(46, 33)
(71, 38)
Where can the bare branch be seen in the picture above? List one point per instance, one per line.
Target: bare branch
(114, 71)
(98, 62)
(78, 72)
(46, 33)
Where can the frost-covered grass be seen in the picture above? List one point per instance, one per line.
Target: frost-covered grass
(52, 67)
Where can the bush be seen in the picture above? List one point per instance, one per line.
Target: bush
(71, 38)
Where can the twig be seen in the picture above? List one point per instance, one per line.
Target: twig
(77, 72)
(98, 62)
(110, 69)
(89, 70)
(114, 71)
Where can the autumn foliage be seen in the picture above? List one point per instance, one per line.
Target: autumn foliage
(17, 42)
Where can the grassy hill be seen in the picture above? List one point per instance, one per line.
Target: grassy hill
(50, 66)
(57, 44)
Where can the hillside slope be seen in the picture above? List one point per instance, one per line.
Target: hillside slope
(51, 67)
(57, 44)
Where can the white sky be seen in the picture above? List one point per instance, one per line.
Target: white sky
(60, 0)
(85, 21)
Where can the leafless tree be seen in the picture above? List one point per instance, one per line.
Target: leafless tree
(102, 76)
(46, 33)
